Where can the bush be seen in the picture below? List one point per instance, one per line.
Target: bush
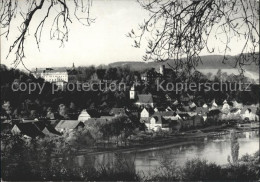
(197, 169)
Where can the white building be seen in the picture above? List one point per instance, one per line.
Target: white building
(84, 116)
(145, 100)
(59, 76)
(214, 105)
(225, 106)
(205, 105)
(250, 113)
(132, 93)
(157, 123)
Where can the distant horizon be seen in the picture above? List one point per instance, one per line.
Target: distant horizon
(113, 62)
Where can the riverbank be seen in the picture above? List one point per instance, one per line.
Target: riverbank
(173, 140)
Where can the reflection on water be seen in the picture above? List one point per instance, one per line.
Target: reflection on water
(213, 150)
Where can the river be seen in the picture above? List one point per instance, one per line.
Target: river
(214, 149)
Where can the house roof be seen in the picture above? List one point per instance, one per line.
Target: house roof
(40, 125)
(237, 105)
(83, 115)
(68, 124)
(50, 131)
(165, 113)
(117, 111)
(149, 110)
(170, 109)
(253, 109)
(201, 110)
(54, 123)
(28, 129)
(184, 116)
(213, 103)
(145, 98)
(93, 113)
(205, 105)
(192, 105)
(175, 102)
(159, 119)
(100, 120)
(233, 110)
(161, 109)
(107, 117)
(145, 120)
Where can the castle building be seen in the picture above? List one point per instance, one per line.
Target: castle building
(59, 76)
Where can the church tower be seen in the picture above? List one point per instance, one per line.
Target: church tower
(132, 92)
(162, 69)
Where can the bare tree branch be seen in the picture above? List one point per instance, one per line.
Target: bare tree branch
(181, 29)
(9, 9)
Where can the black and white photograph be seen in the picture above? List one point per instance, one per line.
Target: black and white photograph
(129, 90)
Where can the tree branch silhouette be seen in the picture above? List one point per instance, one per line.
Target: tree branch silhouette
(180, 30)
(9, 9)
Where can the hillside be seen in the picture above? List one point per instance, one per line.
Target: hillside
(208, 62)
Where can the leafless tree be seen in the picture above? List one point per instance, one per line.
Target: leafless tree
(181, 29)
(60, 11)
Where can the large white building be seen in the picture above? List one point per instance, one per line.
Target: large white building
(59, 76)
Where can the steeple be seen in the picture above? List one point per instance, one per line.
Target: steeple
(132, 92)
(73, 66)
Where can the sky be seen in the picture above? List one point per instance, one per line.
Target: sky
(103, 42)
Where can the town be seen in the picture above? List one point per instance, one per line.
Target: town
(132, 115)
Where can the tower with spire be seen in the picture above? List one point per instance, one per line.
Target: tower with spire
(132, 93)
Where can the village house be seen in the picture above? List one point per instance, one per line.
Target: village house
(198, 121)
(237, 105)
(175, 103)
(213, 105)
(233, 114)
(202, 111)
(146, 114)
(192, 105)
(172, 115)
(151, 75)
(84, 116)
(205, 105)
(69, 125)
(27, 129)
(170, 109)
(157, 123)
(192, 122)
(145, 100)
(249, 112)
(186, 124)
(184, 116)
(225, 106)
(50, 131)
(59, 76)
